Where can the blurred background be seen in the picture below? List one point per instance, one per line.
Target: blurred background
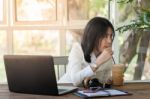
(50, 27)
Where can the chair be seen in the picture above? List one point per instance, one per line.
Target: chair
(60, 63)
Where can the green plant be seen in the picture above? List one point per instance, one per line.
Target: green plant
(124, 1)
(142, 21)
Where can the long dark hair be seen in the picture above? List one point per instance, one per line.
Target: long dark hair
(95, 30)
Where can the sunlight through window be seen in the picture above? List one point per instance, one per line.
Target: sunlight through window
(1, 10)
(36, 10)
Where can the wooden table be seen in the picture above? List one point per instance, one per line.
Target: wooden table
(139, 91)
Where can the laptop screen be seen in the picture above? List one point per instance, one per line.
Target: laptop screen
(33, 74)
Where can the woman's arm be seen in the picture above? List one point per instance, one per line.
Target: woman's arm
(102, 58)
(75, 66)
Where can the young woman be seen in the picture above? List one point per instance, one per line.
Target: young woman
(93, 57)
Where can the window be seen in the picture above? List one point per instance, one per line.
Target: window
(79, 11)
(134, 44)
(3, 48)
(86, 9)
(35, 10)
(44, 26)
(36, 42)
(1, 10)
(123, 18)
(52, 26)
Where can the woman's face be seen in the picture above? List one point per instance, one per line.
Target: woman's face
(106, 41)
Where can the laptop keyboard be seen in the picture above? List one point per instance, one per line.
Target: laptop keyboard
(62, 90)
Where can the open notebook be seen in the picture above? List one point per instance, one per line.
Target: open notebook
(102, 93)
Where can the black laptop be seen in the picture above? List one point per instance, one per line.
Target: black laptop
(33, 74)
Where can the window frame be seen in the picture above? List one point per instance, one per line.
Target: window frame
(44, 22)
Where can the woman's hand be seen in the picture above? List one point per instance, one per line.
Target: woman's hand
(104, 56)
(85, 82)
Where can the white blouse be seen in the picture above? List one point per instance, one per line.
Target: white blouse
(78, 68)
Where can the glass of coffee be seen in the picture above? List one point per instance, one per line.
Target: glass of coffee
(118, 74)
